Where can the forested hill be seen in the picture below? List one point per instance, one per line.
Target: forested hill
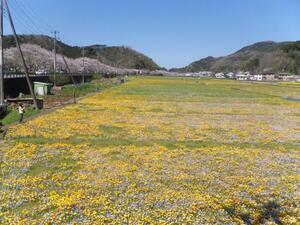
(259, 57)
(118, 56)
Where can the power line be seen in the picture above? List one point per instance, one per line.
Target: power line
(63, 38)
(4, 13)
(29, 19)
(21, 54)
(35, 15)
(22, 23)
(19, 19)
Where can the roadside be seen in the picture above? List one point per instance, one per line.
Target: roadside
(59, 98)
(64, 95)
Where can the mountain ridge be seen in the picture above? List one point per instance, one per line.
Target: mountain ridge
(258, 57)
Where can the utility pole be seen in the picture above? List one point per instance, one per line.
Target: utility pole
(54, 47)
(83, 66)
(22, 56)
(72, 78)
(1, 57)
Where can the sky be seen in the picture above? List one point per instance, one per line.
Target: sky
(173, 33)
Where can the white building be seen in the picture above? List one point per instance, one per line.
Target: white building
(230, 75)
(241, 76)
(220, 75)
(257, 77)
(269, 77)
(199, 74)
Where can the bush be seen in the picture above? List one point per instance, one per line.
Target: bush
(60, 79)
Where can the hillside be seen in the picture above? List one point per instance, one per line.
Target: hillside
(259, 57)
(37, 57)
(121, 57)
(124, 57)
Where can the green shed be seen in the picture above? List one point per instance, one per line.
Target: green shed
(42, 89)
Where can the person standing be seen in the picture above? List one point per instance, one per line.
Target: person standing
(21, 110)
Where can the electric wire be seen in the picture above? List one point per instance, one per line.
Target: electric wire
(35, 15)
(20, 21)
(26, 16)
(18, 18)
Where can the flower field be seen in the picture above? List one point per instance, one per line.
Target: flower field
(159, 151)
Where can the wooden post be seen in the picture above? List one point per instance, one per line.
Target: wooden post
(22, 56)
(1, 57)
(83, 64)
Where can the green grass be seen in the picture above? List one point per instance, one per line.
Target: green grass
(111, 129)
(203, 88)
(170, 144)
(12, 115)
(87, 88)
(95, 85)
(81, 89)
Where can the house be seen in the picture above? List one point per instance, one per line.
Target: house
(257, 77)
(242, 76)
(287, 77)
(220, 75)
(269, 77)
(230, 75)
(199, 74)
(290, 78)
(206, 73)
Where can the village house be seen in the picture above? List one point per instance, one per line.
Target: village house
(242, 76)
(257, 77)
(230, 75)
(269, 77)
(220, 75)
(199, 74)
(294, 78)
